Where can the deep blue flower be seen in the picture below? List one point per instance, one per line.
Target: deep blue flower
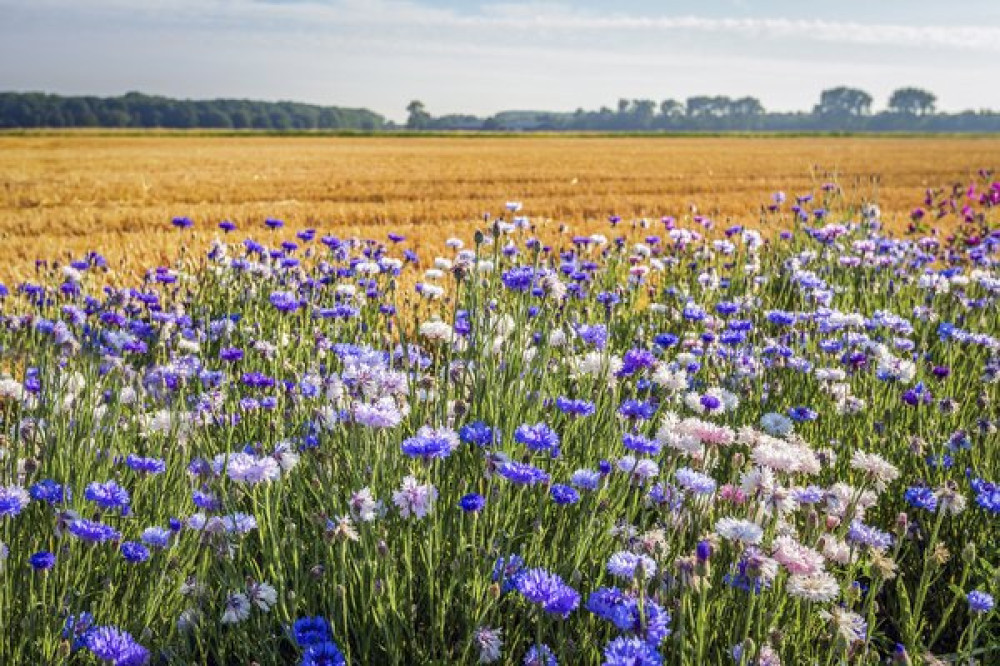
(472, 503)
(641, 444)
(48, 491)
(987, 495)
(182, 222)
(478, 433)
(562, 494)
(108, 496)
(800, 414)
(42, 560)
(134, 552)
(311, 631)
(430, 443)
(921, 497)
(637, 409)
(574, 407)
(146, 465)
(507, 571)
(631, 651)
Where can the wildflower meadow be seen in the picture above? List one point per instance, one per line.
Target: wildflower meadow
(664, 443)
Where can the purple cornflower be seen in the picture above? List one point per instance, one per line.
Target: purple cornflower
(522, 473)
(430, 443)
(562, 494)
(134, 552)
(114, 645)
(549, 590)
(538, 437)
(146, 465)
(108, 496)
(980, 602)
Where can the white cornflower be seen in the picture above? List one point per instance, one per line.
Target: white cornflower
(777, 425)
(744, 531)
(365, 507)
(262, 595)
(237, 608)
(414, 499)
(437, 331)
(818, 587)
(876, 468)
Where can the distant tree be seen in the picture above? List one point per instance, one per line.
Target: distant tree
(419, 118)
(747, 106)
(670, 108)
(843, 101)
(643, 111)
(912, 101)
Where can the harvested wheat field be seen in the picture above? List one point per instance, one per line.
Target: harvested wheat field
(117, 194)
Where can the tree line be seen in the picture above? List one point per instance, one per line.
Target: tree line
(136, 110)
(839, 109)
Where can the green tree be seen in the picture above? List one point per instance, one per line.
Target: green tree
(844, 102)
(418, 118)
(912, 102)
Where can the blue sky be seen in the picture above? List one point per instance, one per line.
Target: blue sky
(481, 57)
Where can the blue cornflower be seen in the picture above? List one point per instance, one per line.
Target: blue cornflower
(92, 531)
(507, 571)
(522, 473)
(108, 496)
(274, 223)
(182, 222)
(595, 335)
(585, 479)
(980, 602)
(635, 360)
(538, 437)
(323, 654)
(13, 499)
(49, 491)
(231, 354)
(639, 410)
(472, 503)
(987, 495)
(42, 560)
(800, 414)
(478, 433)
(114, 645)
(284, 301)
(641, 444)
(549, 590)
(519, 278)
(631, 651)
(311, 631)
(430, 443)
(157, 537)
(562, 494)
(781, 318)
(921, 497)
(134, 552)
(146, 465)
(540, 655)
(574, 407)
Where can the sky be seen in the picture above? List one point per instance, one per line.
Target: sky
(482, 57)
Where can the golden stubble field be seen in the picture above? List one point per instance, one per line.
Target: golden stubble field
(61, 195)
